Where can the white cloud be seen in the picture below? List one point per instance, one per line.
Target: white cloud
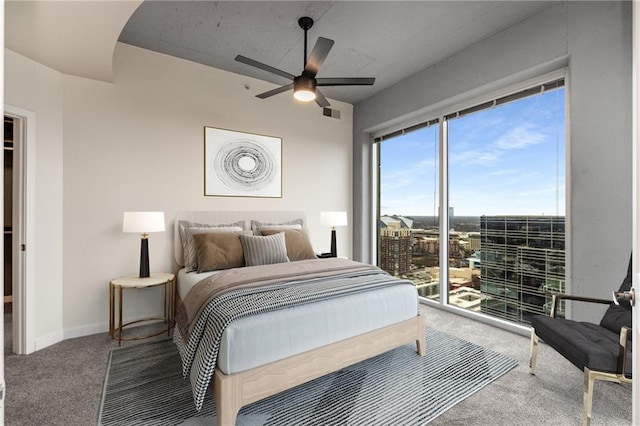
(504, 172)
(520, 137)
(475, 157)
(545, 190)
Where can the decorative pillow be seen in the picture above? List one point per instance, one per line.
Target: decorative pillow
(297, 242)
(261, 250)
(189, 248)
(216, 251)
(256, 225)
(184, 224)
(187, 243)
(618, 315)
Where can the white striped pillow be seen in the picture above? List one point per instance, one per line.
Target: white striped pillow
(259, 250)
(256, 225)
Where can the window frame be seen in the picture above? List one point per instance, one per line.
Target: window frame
(440, 115)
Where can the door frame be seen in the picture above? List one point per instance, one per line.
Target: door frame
(636, 208)
(23, 227)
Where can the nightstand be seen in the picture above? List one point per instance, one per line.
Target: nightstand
(135, 282)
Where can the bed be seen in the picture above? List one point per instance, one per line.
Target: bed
(260, 329)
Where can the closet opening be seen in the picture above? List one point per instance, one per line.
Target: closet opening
(8, 230)
(18, 298)
(8, 206)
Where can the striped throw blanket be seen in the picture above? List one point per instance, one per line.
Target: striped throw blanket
(229, 295)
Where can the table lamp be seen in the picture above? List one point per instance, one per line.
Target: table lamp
(143, 223)
(333, 219)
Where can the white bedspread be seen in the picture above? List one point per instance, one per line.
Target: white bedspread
(257, 340)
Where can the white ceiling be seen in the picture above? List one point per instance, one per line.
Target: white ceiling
(389, 40)
(73, 37)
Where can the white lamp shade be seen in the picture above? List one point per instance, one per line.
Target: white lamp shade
(333, 218)
(143, 222)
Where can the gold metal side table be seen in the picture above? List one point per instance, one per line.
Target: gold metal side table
(135, 282)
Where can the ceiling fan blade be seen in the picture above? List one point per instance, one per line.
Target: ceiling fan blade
(345, 81)
(264, 67)
(318, 55)
(321, 100)
(275, 91)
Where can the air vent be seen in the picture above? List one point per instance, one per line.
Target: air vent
(328, 112)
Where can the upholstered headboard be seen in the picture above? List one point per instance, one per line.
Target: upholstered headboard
(223, 217)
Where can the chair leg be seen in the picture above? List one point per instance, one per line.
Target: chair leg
(534, 351)
(588, 396)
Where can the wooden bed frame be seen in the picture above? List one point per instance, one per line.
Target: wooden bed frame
(233, 391)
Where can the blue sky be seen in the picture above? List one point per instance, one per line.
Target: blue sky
(506, 160)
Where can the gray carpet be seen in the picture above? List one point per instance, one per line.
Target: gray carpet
(62, 384)
(144, 386)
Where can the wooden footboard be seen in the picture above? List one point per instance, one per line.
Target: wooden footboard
(232, 392)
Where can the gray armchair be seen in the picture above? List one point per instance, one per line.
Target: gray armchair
(602, 351)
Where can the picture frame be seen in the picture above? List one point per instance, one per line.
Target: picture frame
(240, 164)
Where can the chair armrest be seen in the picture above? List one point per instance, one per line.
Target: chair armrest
(625, 338)
(555, 297)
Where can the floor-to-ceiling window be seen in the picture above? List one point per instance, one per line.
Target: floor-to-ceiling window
(501, 182)
(408, 224)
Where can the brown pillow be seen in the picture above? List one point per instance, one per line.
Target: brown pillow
(218, 251)
(189, 248)
(297, 242)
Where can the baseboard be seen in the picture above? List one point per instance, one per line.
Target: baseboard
(86, 330)
(48, 340)
(72, 333)
(98, 328)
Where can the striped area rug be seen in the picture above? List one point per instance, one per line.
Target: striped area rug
(144, 386)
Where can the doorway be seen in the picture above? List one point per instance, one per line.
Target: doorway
(19, 144)
(8, 232)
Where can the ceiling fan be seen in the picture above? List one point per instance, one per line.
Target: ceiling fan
(305, 85)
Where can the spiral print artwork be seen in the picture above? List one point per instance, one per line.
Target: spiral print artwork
(245, 165)
(242, 164)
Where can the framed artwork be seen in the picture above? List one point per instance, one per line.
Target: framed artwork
(238, 164)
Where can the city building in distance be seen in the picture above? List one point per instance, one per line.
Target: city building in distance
(503, 266)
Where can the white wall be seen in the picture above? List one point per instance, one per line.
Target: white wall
(594, 40)
(138, 144)
(600, 44)
(36, 88)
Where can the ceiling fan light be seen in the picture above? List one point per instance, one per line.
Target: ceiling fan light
(304, 95)
(304, 88)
